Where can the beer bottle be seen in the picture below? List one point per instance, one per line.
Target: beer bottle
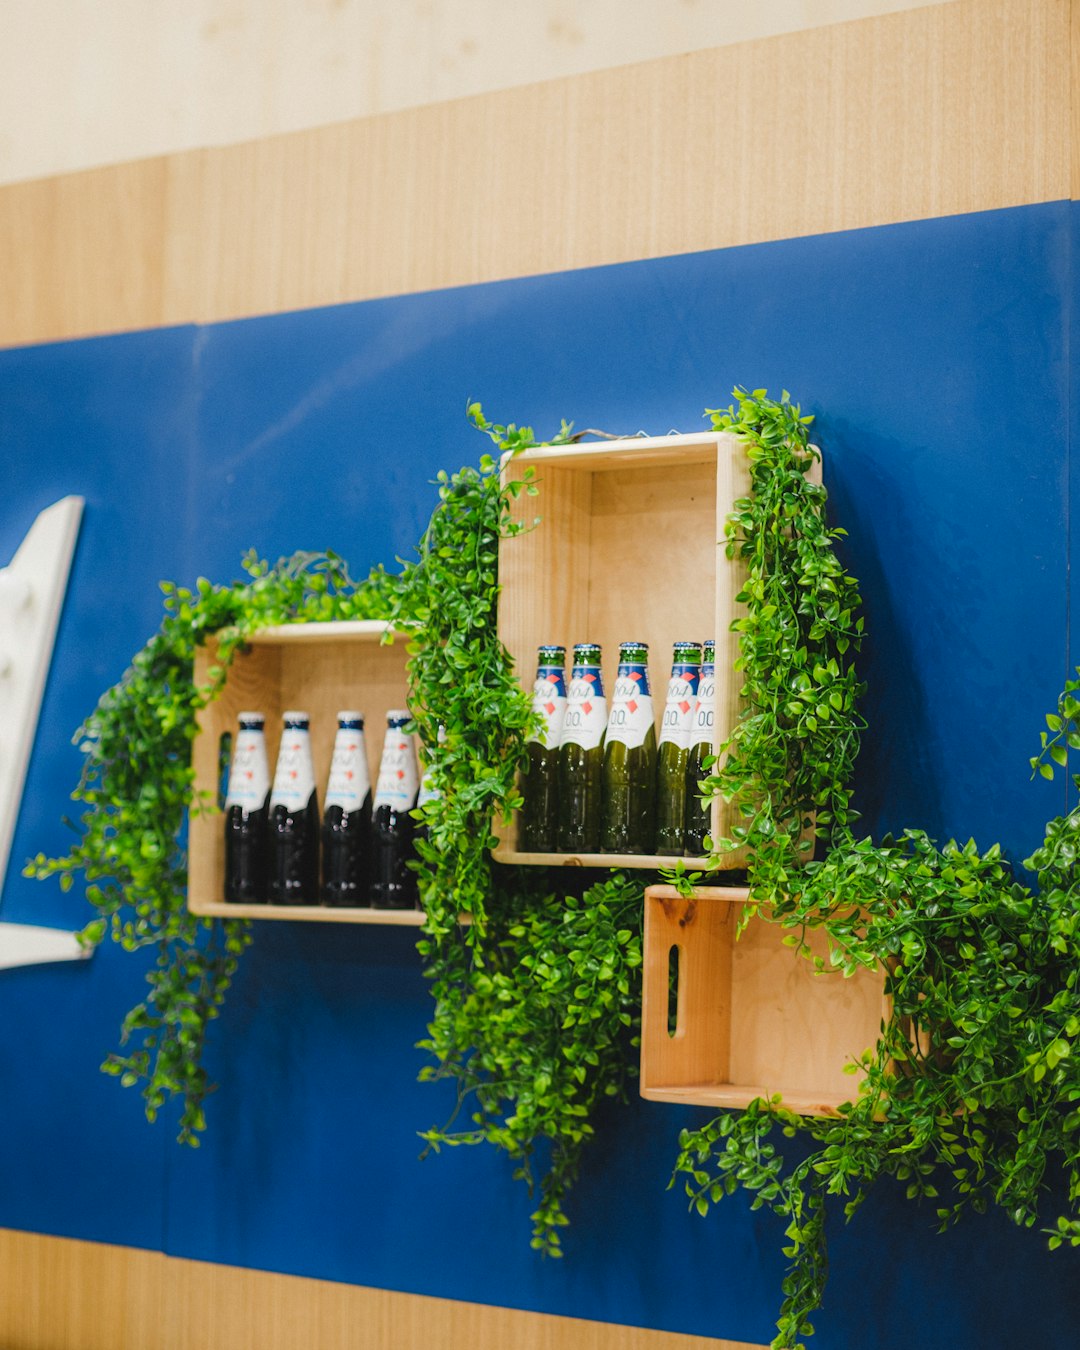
(674, 749)
(537, 823)
(246, 810)
(393, 884)
(581, 754)
(294, 818)
(629, 780)
(346, 825)
(698, 814)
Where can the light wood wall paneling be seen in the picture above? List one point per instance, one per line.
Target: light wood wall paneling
(61, 1294)
(83, 253)
(952, 108)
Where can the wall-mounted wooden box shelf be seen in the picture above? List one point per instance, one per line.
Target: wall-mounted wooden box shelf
(322, 668)
(630, 545)
(753, 1018)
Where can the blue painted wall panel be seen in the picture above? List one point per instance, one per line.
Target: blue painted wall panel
(937, 357)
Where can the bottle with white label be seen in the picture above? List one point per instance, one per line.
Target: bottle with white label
(674, 749)
(393, 884)
(294, 818)
(702, 746)
(346, 825)
(581, 754)
(246, 813)
(628, 823)
(538, 818)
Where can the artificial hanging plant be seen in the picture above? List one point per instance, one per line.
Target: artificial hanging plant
(536, 1002)
(973, 1081)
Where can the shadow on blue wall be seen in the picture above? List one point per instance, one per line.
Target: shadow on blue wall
(935, 355)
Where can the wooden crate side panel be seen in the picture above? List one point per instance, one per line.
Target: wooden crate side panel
(702, 930)
(252, 684)
(794, 1030)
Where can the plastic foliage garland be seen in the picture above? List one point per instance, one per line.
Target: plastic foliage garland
(136, 788)
(537, 997)
(973, 1081)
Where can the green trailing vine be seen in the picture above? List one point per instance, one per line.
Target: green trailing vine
(135, 791)
(536, 995)
(537, 999)
(973, 1083)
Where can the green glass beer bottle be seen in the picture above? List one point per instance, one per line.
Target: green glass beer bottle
(581, 754)
(698, 814)
(629, 782)
(538, 821)
(674, 750)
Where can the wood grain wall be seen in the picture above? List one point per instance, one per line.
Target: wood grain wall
(959, 107)
(65, 1295)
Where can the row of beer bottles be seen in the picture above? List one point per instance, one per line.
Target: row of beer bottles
(273, 831)
(596, 782)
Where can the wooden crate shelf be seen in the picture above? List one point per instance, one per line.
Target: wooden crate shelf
(752, 1017)
(630, 545)
(322, 668)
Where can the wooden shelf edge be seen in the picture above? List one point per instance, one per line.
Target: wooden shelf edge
(212, 909)
(732, 894)
(643, 861)
(736, 1096)
(349, 630)
(635, 451)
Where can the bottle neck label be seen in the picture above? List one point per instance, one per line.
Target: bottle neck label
(398, 778)
(705, 712)
(631, 706)
(586, 709)
(294, 777)
(249, 772)
(682, 696)
(349, 781)
(549, 701)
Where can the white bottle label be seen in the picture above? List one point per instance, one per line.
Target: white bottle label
(249, 772)
(705, 712)
(631, 707)
(679, 708)
(349, 781)
(294, 777)
(549, 700)
(398, 778)
(586, 712)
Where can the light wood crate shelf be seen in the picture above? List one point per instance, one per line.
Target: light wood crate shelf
(630, 545)
(753, 1017)
(321, 668)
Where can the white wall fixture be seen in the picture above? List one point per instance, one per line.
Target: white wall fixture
(32, 590)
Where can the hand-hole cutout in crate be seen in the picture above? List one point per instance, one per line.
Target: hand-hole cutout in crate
(322, 668)
(673, 1025)
(630, 546)
(753, 1017)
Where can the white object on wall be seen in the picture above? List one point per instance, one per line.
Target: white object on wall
(23, 944)
(32, 591)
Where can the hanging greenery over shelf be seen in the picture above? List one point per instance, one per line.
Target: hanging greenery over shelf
(973, 1079)
(537, 1000)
